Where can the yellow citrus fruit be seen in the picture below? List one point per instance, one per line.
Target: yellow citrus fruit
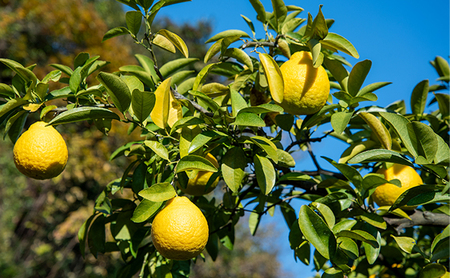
(306, 88)
(197, 185)
(180, 230)
(40, 152)
(386, 194)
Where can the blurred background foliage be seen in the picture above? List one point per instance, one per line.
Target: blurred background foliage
(40, 219)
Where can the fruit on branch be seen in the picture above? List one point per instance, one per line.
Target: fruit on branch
(306, 88)
(40, 152)
(386, 194)
(180, 230)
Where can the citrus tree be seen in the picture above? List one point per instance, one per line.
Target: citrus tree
(383, 211)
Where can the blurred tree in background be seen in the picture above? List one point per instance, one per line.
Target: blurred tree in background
(40, 219)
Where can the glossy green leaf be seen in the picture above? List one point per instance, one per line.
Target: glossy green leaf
(433, 270)
(317, 232)
(142, 103)
(249, 24)
(380, 155)
(326, 213)
(259, 8)
(441, 66)
(374, 220)
(195, 162)
(267, 145)
(237, 102)
(372, 252)
(338, 71)
(85, 113)
(158, 192)
(12, 104)
(117, 90)
(354, 149)
(15, 124)
(279, 11)
(274, 77)
(349, 172)
(6, 91)
(201, 76)
(340, 120)
(427, 142)
(240, 56)
(285, 159)
(378, 128)
(444, 104)
(405, 243)
(335, 41)
(333, 272)
(173, 66)
(442, 153)
(145, 210)
(233, 165)
(265, 173)
(349, 247)
(158, 148)
(419, 97)
(227, 33)
(176, 40)
(253, 222)
(248, 119)
(133, 20)
(359, 235)
(357, 76)
(400, 124)
(201, 139)
(186, 122)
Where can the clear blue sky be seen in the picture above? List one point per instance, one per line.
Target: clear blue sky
(399, 37)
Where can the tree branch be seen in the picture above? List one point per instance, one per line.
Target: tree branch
(419, 218)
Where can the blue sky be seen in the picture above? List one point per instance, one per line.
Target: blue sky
(399, 37)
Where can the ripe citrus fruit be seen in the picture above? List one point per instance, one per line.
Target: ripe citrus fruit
(180, 230)
(40, 152)
(306, 88)
(197, 185)
(386, 194)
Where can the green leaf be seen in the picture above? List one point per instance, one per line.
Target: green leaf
(82, 233)
(249, 23)
(381, 156)
(439, 246)
(444, 104)
(338, 71)
(285, 159)
(185, 122)
(158, 192)
(374, 220)
(237, 102)
(405, 243)
(15, 124)
(317, 232)
(326, 213)
(259, 8)
(227, 33)
(145, 210)
(142, 104)
(356, 148)
(173, 66)
(265, 173)
(427, 142)
(419, 97)
(335, 41)
(248, 119)
(333, 272)
(400, 124)
(349, 172)
(253, 222)
(240, 56)
(340, 120)
(176, 40)
(433, 270)
(441, 66)
(134, 21)
(117, 90)
(84, 113)
(195, 162)
(6, 91)
(163, 43)
(280, 12)
(267, 145)
(357, 76)
(158, 148)
(96, 236)
(378, 128)
(233, 165)
(349, 247)
(201, 139)
(201, 76)
(442, 153)
(372, 252)
(274, 77)
(359, 235)
(75, 80)
(12, 104)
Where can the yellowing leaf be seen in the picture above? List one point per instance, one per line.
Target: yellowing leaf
(176, 40)
(164, 43)
(175, 110)
(274, 77)
(160, 112)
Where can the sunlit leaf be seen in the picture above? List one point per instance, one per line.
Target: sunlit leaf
(233, 164)
(117, 90)
(159, 192)
(145, 210)
(227, 33)
(265, 173)
(274, 77)
(176, 40)
(378, 128)
(84, 113)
